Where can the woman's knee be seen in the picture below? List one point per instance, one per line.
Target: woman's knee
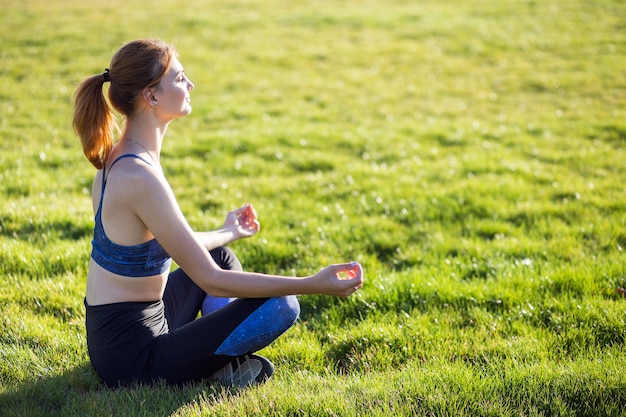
(225, 258)
(287, 309)
(273, 318)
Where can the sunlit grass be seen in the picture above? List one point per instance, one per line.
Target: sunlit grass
(469, 153)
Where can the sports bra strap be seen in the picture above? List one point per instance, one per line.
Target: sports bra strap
(126, 155)
(105, 174)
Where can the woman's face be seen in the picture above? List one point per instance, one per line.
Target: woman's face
(172, 93)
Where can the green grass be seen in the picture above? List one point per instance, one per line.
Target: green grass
(469, 153)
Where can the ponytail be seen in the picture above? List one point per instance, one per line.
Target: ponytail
(93, 120)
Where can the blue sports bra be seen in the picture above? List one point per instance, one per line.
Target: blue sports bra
(142, 260)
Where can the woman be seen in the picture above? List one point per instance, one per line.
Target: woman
(141, 319)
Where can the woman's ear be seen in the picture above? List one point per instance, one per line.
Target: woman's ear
(148, 96)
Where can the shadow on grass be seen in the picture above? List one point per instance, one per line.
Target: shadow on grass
(79, 392)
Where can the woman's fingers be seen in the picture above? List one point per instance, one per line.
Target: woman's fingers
(250, 210)
(249, 216)
(349, 270)
(350, 276)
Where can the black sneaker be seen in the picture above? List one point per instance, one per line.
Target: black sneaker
(245, 370)
(267, 369)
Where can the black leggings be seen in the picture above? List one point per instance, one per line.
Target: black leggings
(146, 341)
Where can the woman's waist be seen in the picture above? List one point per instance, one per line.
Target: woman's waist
(104, 287)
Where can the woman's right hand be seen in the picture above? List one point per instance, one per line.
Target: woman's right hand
(340, 280)
(243, 222)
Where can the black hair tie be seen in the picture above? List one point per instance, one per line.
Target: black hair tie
(106, 76)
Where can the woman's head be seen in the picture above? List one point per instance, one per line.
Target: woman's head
(135, 66)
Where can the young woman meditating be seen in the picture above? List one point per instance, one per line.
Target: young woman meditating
(141, 318)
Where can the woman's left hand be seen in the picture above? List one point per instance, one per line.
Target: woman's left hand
(243, 222)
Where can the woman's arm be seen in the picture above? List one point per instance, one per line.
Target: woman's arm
(155, 204)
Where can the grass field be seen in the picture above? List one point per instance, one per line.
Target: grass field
(469, 153)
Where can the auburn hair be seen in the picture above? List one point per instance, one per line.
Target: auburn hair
(134, 67)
